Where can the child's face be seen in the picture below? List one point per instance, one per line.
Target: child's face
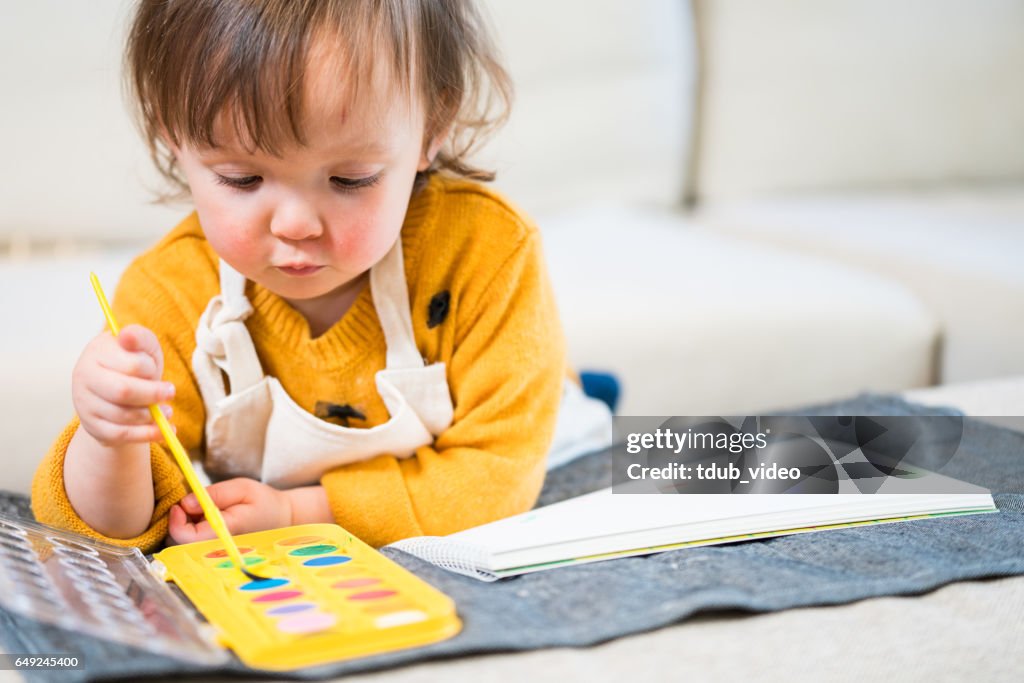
(306, 224)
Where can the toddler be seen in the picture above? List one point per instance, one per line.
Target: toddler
(349, 327)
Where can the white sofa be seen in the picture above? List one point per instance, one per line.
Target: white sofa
(605, 141)
(888, 136)
(845, 213)
(753, 296)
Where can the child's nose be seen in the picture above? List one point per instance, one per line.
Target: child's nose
(296, 221)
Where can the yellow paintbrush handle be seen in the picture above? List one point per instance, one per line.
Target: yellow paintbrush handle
(210, 510)
(104, 304)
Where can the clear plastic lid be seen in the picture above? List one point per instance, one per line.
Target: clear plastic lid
(83, 585)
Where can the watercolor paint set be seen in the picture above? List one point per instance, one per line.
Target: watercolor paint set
(327, 596)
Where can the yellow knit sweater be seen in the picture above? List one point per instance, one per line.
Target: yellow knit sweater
(501, 341)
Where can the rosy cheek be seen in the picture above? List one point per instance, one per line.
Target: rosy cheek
(233, 241)
(381, 223)
(353, 240)
(230, 240)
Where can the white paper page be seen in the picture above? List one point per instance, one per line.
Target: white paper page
(602, 513)
(870, 509)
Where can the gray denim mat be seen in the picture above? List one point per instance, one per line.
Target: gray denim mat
(588, 604)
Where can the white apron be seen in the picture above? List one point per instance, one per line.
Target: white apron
(258, 431)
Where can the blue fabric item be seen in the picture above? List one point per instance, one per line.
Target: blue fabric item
(603, 386)
(587, 604)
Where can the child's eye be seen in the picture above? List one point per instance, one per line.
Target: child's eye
(352, 184)
(246, 183)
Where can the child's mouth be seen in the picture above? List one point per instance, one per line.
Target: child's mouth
(299, 271)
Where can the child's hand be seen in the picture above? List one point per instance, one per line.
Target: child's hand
(114, 381)
(246, 505)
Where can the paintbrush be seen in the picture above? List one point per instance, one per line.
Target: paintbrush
(211, 511)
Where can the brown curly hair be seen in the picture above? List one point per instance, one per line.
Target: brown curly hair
(188, 61)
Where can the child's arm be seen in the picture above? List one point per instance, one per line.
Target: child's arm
(122, 494)
(506, 377)
(106, 468)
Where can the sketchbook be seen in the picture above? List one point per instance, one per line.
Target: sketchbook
(604, 525)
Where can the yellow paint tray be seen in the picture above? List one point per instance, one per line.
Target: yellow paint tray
(330, 597)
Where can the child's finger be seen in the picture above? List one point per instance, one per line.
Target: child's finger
(123, 390)
(223, 500)
(230, 492)
(111, 433)
(190, 504)
(238, 519)
(134, 363)
(139, 338)
(176, 523)
(230, 498)
(202, 531)
(184, 531)
(126, 416)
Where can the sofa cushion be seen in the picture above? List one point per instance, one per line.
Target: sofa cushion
(959, 251)
(604, 101)
(809, 95)
(696, 322)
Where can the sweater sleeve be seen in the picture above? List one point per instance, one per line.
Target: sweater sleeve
(506, 376)
(139, 299)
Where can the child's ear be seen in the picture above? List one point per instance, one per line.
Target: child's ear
(431, 149)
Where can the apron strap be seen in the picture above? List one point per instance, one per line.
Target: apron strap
(232, 288)
(391, 300)
(224, 340)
